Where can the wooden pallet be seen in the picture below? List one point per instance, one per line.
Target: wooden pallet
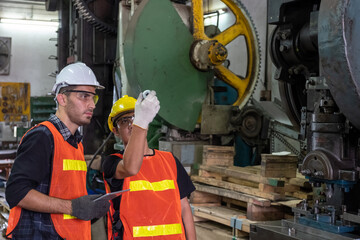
(222, 215)
(213, 231)
(233, 195)
(263, 199)
(278, 166)
(237, 196)
(244, 173)
(251, 182)
(218, 155)
(254, 208)
(239, 188)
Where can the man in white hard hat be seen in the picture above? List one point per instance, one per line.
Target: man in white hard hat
(46, 190)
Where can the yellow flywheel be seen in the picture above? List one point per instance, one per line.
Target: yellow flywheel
(209, 53)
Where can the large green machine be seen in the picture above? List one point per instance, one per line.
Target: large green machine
(203, 61)
(166, 48)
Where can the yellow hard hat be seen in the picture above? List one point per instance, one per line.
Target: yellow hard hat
(122, 105)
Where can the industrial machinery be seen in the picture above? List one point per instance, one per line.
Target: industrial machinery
(187, 56)
(314, 50)
(167, 46)
(203, 62)
(184, 64)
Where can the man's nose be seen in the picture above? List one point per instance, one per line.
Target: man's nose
(92, 104)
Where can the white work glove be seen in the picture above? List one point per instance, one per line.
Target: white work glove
(146, 109)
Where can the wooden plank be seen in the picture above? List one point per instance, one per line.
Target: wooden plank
(235, 172)
(233, 202)
(234, 195)
(243, 173)
(218, 155)
(271, 158)
(223, 215)
(289, 203)
(203, 197)
(300, 195)
(220, 161)
(291, 188)
(300, 181)
(254, 169)
(199, 219)
(218, 149)
(271, 189)
(257, 213)
(211, 217)
(279, 173)
(204, 173)
(214, 231)
(206, 204)
(238, 188)
(242, 182)
(219, 214)
(278, 166)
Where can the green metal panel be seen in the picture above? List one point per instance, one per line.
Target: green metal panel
(156, 52)
(41, 108)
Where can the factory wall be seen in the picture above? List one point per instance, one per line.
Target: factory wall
(30, 51)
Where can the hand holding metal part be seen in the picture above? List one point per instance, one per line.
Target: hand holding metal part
(86, 208)
(146, 108)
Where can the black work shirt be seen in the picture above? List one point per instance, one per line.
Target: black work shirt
(186, 187)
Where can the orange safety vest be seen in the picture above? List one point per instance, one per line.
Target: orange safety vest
(152, 207)
(110, 213)
(68, 181)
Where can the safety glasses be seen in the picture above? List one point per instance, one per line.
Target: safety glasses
(125, 121)
(84, 96)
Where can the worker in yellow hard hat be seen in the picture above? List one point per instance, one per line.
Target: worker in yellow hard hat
(124, 105)
(157, 203)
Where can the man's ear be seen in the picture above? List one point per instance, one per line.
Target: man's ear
(61, 99)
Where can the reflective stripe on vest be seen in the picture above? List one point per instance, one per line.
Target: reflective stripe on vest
(142, 185)
(74, 165)
(157, 230)
(152, 206)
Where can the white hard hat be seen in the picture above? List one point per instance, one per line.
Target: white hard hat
(75, 74)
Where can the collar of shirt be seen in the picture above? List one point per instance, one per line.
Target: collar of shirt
(65, 132)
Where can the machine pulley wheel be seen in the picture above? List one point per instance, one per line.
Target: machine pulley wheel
(217, 52)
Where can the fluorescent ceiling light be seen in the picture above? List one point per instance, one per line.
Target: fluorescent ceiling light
(28, 22)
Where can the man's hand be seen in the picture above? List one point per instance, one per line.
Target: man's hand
(146, 109)
(85, 208)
